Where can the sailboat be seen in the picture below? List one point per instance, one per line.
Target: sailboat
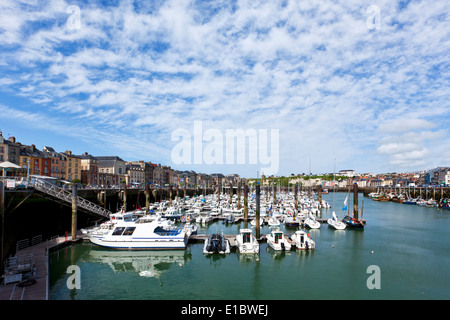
(335, 223)
(352, 222)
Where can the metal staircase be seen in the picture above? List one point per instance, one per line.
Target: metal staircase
(53, 192)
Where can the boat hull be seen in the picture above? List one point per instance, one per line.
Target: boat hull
(141, 244)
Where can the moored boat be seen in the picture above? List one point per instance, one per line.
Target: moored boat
(216, 243)
(140, 235)
(311, 222)
(278, 241)
(352, 222)
(246, 242)
(335, 223)
(303, 241)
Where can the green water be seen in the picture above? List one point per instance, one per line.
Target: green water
(409, 244)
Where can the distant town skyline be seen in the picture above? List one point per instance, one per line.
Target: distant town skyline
(347, 84)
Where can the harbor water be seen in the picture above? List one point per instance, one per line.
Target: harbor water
(404, 250)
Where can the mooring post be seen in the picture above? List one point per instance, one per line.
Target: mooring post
(274, 193)
(239, 195)
(170, 194)
(245, 202)
(355, 201)
(147, 198)
(296, 197)
(258, 195)
(74, 210)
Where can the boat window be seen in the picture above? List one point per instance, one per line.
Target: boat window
(118, 231)
(129, 231)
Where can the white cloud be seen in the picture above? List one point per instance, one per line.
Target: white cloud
(311, 69)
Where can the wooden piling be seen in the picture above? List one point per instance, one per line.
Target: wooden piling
(258, 196)
(74, 210)
(355, 201)
(147, 198)
(239, 195)
(245, 202)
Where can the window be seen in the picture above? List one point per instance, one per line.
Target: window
(118, 231)
(129, 231)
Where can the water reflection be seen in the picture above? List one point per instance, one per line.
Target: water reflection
(145, 263)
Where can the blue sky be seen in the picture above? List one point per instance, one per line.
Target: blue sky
(133, 72)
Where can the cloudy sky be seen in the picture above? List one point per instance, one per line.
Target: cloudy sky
(363, 84)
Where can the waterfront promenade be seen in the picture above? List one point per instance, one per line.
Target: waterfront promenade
(37, 287)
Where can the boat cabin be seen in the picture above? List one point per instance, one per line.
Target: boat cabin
(119, 217)
(246, 235)
(277, 236)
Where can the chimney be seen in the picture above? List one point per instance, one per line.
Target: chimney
(68, 152)
(12, 139)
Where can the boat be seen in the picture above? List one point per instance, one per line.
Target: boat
(203, 219)
(352, 222)
(292, 222)
(277, 241)
(216, 243)
(303, 241)
(273, 222)
(311, 222)
(190, 229)
(172, 213)
(140, 235)
(335, 223)
(246, 242)
(253, 222)
(410, 201)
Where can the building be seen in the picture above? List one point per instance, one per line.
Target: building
(112, 165)
(57, 162)
(135, 174)
(443, 176)
(89, 170)
(346, 173)
(148, 169)
(37, 162)
(73, 168)
(9, 150)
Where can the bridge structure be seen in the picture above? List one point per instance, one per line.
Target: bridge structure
(51, 191)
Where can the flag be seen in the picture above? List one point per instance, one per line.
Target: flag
(345, 204)
(270, 211)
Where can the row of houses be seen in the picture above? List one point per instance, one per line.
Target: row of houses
(100, 170)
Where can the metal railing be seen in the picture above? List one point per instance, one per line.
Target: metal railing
(65, 195)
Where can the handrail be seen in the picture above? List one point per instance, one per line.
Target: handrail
(66, 196)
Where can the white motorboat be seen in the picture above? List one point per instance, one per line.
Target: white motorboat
(203, 219)
(302, 240)
(278, 241)
(216, 243)
(190, 229)
(172, 213)
(253, 222)
(292, 222)
(273, 222)
(246, 242)
(158, 234)
(311, 222)
(335, 223)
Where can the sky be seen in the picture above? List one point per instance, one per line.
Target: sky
(316, 86)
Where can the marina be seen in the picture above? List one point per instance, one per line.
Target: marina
(412, 260)
(219, 236)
